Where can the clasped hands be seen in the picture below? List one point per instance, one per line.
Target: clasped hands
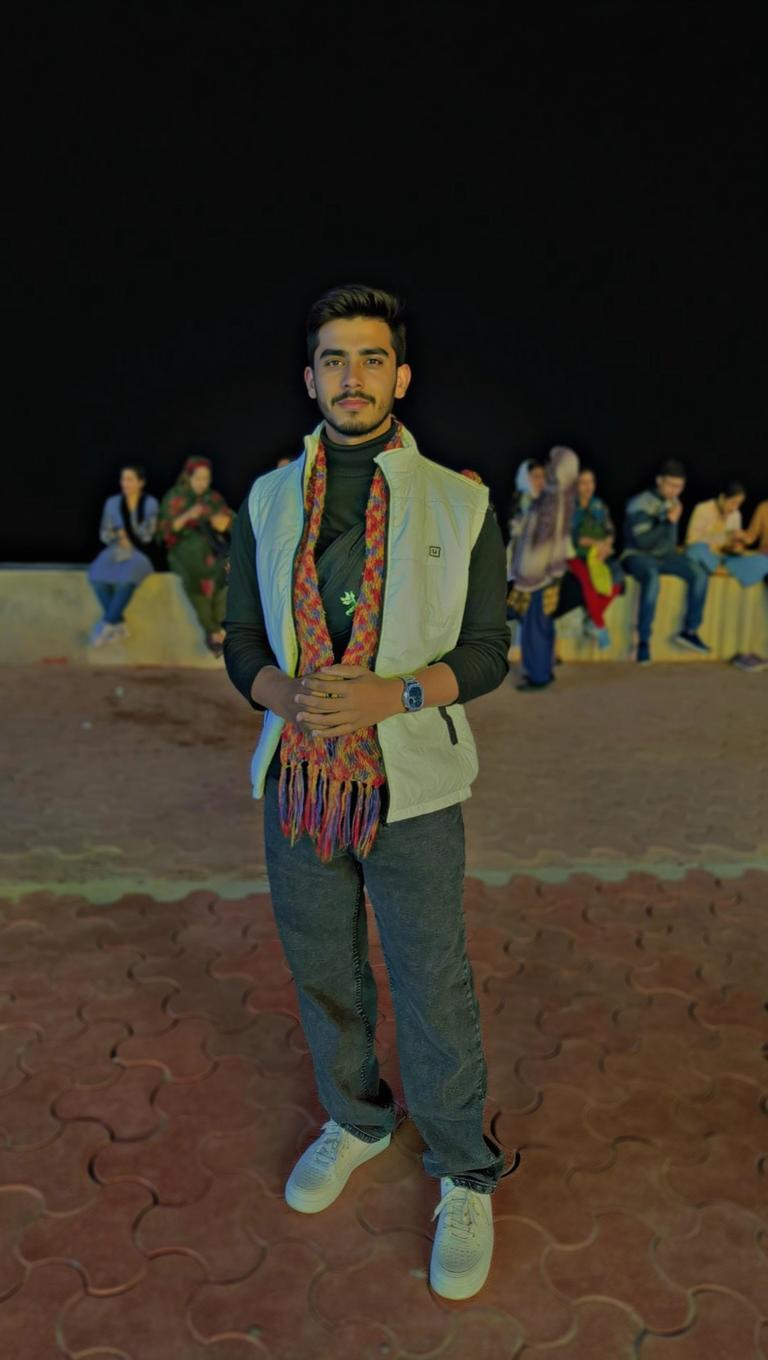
(338, 700)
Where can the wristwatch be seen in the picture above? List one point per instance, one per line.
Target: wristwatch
(413, 694)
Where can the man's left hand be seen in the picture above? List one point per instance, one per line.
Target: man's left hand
(358, 699)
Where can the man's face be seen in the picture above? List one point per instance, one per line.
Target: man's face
(670, 488)
(355, 377)
(731, 503)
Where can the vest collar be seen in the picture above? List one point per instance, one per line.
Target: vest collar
(396, 461)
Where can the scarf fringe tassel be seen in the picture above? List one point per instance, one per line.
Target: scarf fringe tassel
(322, 808)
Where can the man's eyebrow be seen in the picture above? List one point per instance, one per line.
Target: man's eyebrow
(343, 353)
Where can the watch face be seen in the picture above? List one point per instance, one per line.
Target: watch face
(414, 695)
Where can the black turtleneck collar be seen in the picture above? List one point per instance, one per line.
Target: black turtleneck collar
(354, 458)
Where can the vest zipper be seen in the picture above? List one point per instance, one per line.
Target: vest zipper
(448, 720)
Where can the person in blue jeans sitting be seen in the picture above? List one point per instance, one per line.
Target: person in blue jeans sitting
(651, 527)
(128, 524)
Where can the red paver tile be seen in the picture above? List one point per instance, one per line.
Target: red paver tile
(736, 1108)
(125, 1106)
(220, 1000)
(618, 1265)
(517, 1285)
(579, 1063)
(603, 1331)
(98, 1239)
(140, 1008)
(661, 1058)
(632, 1182)
(35, 1003)
(674, 972)
(592, 1018)
(557, 1123)
(220, 1102)
(734, 1006)
(14, 1040)
(408, 1203)
(395, 1269)
(18, 1208)
(167, 1162)
(277, 1041)
(33, 1311)
(665, 1013)
(355, 1340)
(147, 1322)
(270, 1305)
(721, 1252)
(178, 1051)
(337, 1234)
(739, 1052)
(218, 1229)
(87, 1055)
(268, 1147)
(484, 1335)
(730, 1173)
(59, 1170)
(653, 1113)
(26, 1119)
(724, 1328)
(96, 971)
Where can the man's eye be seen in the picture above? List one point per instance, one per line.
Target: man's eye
(376, 362)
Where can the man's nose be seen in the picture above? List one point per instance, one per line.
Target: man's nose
(352, 377)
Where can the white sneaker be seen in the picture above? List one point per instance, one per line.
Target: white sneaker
(120, 631)
(102, 634)
(321, 1172)
(463, 1247)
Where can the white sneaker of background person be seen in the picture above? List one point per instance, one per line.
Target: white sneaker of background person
(463, 1245)
(323, 1170)
(100, 633)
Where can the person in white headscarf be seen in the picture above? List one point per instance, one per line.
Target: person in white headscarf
(538, 558)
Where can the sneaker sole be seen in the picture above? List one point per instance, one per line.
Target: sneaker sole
(306, 1203)
(691, 647)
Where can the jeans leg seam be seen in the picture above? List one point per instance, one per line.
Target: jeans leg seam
(360, 905)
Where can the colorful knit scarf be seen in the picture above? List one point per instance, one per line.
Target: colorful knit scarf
(331, 789)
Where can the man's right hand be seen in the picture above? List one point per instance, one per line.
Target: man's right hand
(674, 512)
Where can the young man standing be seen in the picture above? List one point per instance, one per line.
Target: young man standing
(650, 550)
(366, 604)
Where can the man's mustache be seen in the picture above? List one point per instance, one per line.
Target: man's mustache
(352, 396)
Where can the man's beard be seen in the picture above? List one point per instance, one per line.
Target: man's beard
(358, 423)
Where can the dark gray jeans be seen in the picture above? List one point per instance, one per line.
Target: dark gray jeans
(414, 877)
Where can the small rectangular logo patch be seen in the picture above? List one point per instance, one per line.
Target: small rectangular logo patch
(434, 551)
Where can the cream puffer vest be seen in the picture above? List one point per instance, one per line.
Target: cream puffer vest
(435, 516)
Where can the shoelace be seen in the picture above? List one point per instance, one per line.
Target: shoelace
(327, 1148)
(463, 1216)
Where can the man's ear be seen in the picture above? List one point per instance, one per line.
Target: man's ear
(309, 379)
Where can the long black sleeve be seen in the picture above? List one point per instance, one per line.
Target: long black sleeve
(246, 646)
(479, 659)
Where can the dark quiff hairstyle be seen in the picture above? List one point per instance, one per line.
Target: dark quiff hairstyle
(357, 299)
(138, 468)
(672, 468)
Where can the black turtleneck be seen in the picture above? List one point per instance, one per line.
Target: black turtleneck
(479, 659)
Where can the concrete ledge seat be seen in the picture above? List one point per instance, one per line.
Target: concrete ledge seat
(47, 613)
(735, 620)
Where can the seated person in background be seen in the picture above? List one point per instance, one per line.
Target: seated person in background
(650, 551)
(191, 516)
(599, 575)
(715, 537)
(756, 536)
(128, 524)
(529, 484)
(538, 560)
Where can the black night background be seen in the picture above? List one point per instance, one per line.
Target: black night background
(568, 198)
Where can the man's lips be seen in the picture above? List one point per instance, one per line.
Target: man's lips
(353, 403)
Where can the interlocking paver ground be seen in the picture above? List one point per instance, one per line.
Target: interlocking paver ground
(155, 1086)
